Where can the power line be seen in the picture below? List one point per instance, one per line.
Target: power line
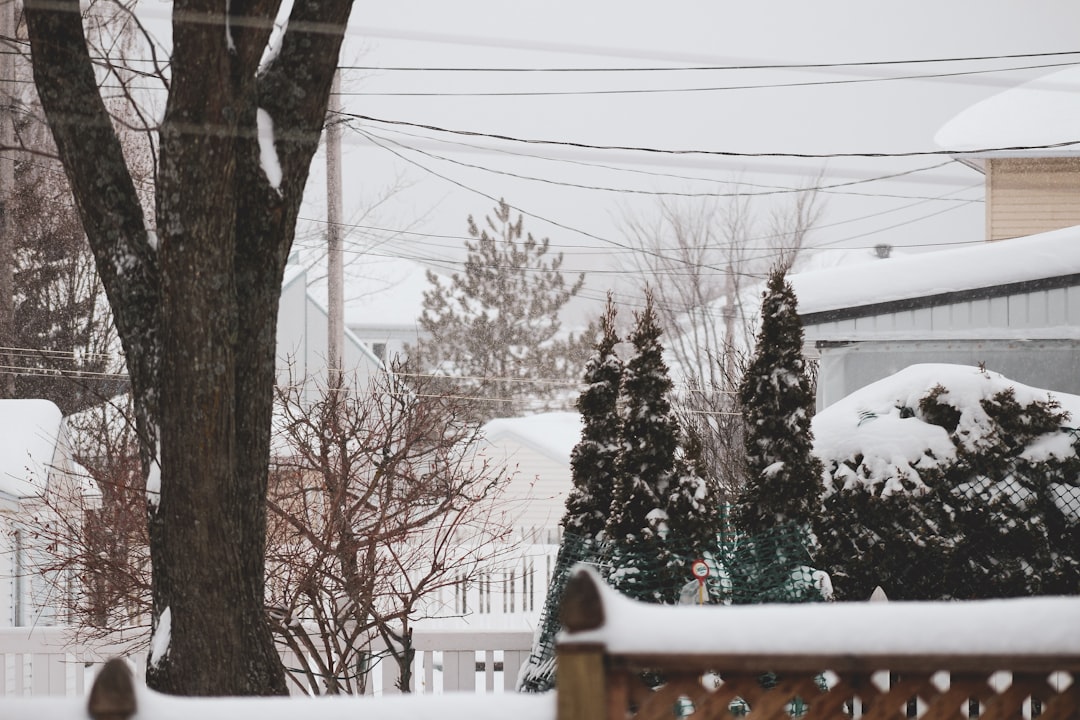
(724, 88)
(702, 68)
(670, 193)
(718, 153)
(675, 193)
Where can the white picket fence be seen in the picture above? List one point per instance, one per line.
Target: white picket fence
(56, 662)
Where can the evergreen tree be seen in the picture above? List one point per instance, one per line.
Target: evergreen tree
(594, 460)
(784, 476)
(693, 507)
(638, 519)
(995, 517)
(496, 327)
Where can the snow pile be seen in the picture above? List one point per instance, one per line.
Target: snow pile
(1028, 626)
(155, 706)
(1045, 111)
(876, 436)
(1035, 257)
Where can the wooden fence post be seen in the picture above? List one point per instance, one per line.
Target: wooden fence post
(581, 683)
(580, 672)
(113, 695)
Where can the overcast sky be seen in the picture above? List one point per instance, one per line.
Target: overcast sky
(819, 111)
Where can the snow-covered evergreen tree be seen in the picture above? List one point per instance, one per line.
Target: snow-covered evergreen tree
(594, 460)
(693, 506)
(784, 476)
(638, 518)
(951, 482)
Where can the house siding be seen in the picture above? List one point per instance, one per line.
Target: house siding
(1026, 196)
(1032, 337)
(536, 496)
(1051, 313)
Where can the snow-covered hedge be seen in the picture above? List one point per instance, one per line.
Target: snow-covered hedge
(947, 481)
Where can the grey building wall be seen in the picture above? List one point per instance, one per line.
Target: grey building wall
(847, 366)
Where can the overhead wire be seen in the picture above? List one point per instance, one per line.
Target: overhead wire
(703, 152)
(764, 66)
(515, 153)
(724, 88)
(635, 191)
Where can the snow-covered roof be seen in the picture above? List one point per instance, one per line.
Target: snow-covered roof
(1045, 111)
(382, 292)
(29, 433)
(1054, 254)
(554, 434)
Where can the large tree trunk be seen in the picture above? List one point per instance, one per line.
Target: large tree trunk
(197, 313)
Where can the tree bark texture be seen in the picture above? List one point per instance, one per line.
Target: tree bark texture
(197, 312)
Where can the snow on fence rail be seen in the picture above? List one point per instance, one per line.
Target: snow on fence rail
(54, 661)
(998, 660)
(621, 660)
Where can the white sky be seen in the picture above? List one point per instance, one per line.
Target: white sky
(854, 116)
(855, 112)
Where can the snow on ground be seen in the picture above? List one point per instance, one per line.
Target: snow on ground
(154, 706)
(1046, 255)
(1036, 626)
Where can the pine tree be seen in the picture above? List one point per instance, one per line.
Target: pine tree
(496, 327)
(638, 518)
(594, 460)
(784, 476)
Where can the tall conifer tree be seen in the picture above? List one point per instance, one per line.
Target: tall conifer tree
(638, 518)
(594, 460)
(784, 476)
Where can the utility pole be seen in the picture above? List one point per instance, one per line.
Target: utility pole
(335, 281)
(8, 52)
(729, 327)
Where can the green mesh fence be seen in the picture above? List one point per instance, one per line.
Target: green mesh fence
(538, 674)
(767, 567)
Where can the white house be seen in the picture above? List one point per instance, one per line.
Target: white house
(383, 303)
(383, 299)
(302, 340)
(35, 459)
(538, 447)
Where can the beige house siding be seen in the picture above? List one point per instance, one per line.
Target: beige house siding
(1026, 196)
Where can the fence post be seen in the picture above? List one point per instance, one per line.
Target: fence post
(580, 683)
(580, 673)
(113, 695)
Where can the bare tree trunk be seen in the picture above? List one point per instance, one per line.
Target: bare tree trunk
(196, 313)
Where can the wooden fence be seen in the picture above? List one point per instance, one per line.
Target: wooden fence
(55, 661)
(884, 661)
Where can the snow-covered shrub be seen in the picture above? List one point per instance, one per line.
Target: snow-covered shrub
(947, 481)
